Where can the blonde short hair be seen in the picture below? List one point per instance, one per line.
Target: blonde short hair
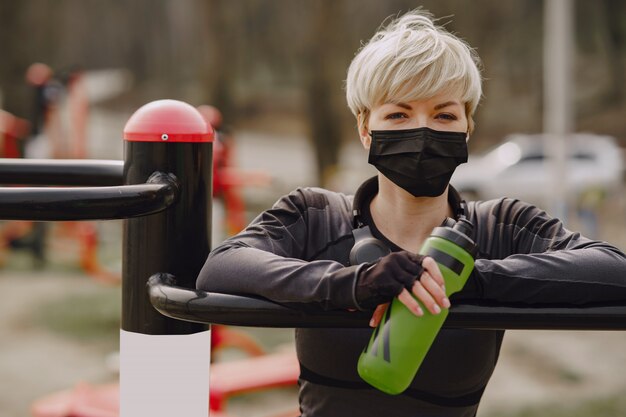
(412, 59)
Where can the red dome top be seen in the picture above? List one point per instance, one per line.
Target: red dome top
(167, 121)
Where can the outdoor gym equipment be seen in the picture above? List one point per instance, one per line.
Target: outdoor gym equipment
(165, 196)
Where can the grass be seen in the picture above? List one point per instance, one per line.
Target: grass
(92, 317)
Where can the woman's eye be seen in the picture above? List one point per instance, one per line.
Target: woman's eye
(446, 116)
(397, 115)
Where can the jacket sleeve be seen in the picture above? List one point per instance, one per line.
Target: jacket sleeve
(528, 257)
(267, 259)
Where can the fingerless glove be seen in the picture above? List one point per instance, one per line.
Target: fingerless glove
(384, 280)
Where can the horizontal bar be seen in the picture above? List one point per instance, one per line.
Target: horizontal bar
(88, 203)
(70, 172)
(204, 307)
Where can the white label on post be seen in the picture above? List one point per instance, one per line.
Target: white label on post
(164, 375)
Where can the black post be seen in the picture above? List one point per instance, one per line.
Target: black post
(175, 240)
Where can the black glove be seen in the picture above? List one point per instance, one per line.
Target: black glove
(384, 280)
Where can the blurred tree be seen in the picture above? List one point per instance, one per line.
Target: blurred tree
(13, 60)
(615, 16)
(223, 19)
(321, 84)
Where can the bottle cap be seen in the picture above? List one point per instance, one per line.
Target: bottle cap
(459, 234)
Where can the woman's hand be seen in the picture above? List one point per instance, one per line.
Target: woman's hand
(429, 288)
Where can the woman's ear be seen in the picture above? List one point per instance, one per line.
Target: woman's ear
(364, 135)
(366, 139)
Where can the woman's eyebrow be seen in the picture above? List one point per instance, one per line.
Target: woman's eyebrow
(446, 104)
(403, 105)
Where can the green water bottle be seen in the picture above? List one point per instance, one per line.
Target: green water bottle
(401, 341)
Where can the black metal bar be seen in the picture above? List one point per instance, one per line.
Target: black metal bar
(88, 203)
(202, 307)
(70, 172)
(175, 240)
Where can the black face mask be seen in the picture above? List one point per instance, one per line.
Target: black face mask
(421, 161)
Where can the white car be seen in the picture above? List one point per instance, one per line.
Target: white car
(519, 168)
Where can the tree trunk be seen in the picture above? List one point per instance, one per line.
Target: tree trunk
(323, 114)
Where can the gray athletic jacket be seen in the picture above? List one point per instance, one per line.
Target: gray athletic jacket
(296, 253)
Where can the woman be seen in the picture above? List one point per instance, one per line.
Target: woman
(413, 89)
